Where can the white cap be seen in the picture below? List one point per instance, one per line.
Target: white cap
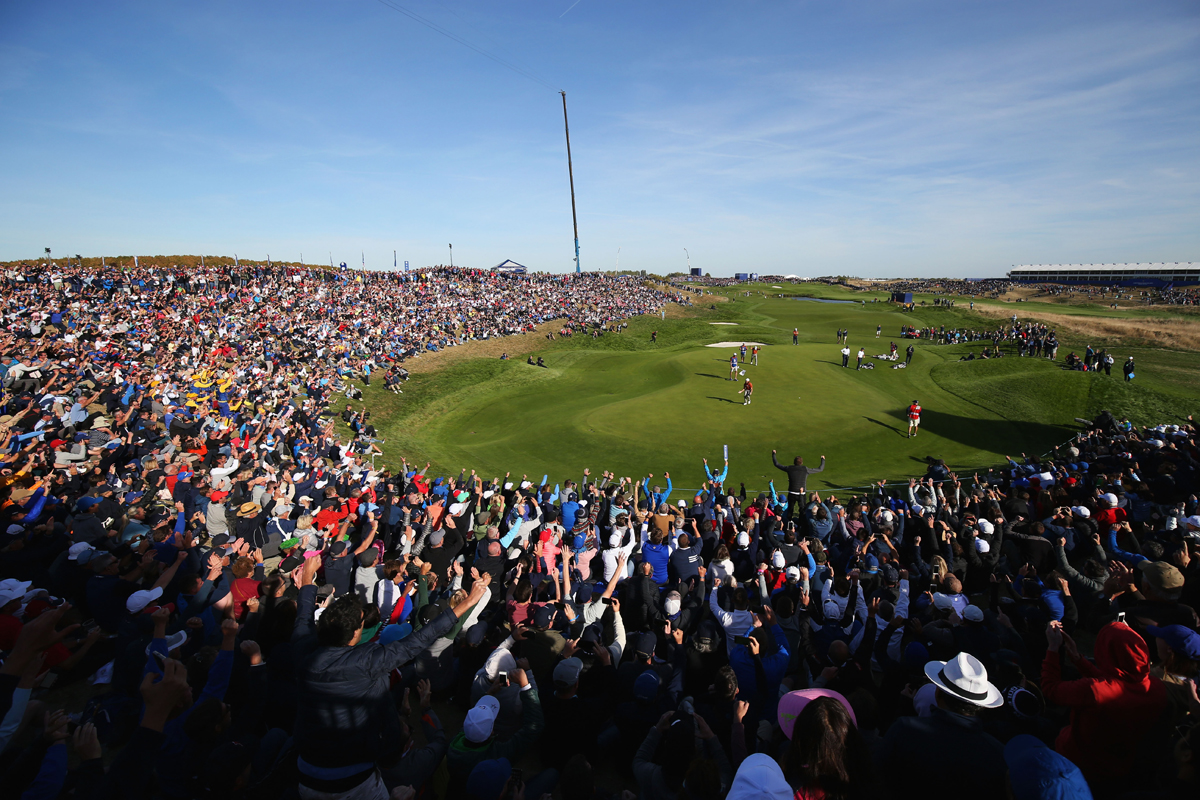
(683, 504)
(986, 528)
(8, 594)
(973, 614)
(174, 641)
(777, 560)
(488, 494)
(793, 573)
(477, 727)
(1109, 498)
(74, 551)
(831, 609)
(140, 599)
(671, 605)
(1081, 511)
(924, 700)
(457, 508)
(743, 539)
(614, 540)
(526, 484)
(982, 546)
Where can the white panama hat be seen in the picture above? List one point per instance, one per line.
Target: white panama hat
(965, 678)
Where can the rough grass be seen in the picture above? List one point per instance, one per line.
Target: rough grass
(1175, 333)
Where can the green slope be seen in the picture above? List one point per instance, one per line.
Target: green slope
(623, 404)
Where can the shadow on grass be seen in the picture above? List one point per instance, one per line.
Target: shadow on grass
(710, 375)
(992, 435)
(897, 431)
(724, 400)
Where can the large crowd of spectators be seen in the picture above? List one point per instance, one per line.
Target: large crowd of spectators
(200, 562)
(949, 287)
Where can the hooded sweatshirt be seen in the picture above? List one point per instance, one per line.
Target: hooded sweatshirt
(1112, 707)
(759, 778)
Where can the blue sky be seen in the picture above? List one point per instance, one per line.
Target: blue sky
(865, 138)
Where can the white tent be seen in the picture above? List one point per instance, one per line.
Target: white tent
(510, 266)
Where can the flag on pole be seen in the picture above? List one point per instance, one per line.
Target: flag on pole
(135, 261)
(364, 259)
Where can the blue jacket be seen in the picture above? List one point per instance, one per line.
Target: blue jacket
(763, 699)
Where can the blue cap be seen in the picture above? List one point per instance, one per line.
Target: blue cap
(646, 685)
(916, 655)
(1182, 640)
(544, 617)
(643, 644)
(488, 779)
(1036, 772)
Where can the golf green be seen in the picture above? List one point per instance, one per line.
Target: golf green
(622, 403)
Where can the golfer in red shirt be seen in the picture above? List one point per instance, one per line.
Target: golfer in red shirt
(747, 390)
(914, 418)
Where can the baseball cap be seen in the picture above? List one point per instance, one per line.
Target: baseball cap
(743, 539)
(682, 504)
(1182, 640)
(566, 673)
(8, 594)
(924, 700)
(1161, 575)
(436, 538)
(986, 528)
(488, 779)
(973, 614)
(142, 598)
(1109, 498)
(544, 617)
(1081, 511)
(777, 560)
(643, 644)
(646, 685)
(477, 727)
(793, 573)
(174, 641)
(74, 550)
(672, 604)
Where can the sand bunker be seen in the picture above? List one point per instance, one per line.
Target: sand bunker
(736, 344)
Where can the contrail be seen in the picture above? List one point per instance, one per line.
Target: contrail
(577, 2)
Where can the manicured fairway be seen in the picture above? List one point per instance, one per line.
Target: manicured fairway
(623, 404)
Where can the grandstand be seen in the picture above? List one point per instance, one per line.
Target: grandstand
(1159, 276)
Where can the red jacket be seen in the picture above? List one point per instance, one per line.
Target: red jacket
(1112, 708)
